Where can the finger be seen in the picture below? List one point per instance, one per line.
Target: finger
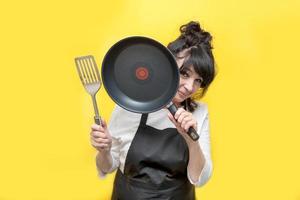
(189, 124)
(104, 124)
(95, 127)
(102, 140)
(187, 118)
(182, 116)
(183, 124)
(103, 145)
(98, 145)
(178, 112)
(98, 134)
(184, 121)
(177, 125)
(172, 119)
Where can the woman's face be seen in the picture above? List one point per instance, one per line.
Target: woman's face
(190, 81)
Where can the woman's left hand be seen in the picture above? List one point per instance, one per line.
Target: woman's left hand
(183, 120)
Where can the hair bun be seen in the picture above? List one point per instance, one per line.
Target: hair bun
(190, 28)
(194, 35)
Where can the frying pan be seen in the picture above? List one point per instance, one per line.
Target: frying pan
(141, 75)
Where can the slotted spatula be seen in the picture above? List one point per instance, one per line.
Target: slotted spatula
(90, 78)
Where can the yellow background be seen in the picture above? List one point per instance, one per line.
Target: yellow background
(45, 114)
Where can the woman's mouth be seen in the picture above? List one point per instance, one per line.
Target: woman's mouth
(181, 94)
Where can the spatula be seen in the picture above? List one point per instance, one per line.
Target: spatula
(90, 78)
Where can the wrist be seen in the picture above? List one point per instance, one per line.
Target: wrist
(104, 152)
(193, 145)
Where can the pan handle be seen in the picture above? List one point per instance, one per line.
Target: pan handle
(191, 132)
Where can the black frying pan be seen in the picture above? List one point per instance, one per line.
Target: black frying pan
(141, 75)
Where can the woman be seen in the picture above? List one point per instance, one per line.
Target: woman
(153, 155)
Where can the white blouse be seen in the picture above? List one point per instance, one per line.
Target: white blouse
(124, 124)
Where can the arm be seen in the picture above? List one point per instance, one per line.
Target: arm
(107, 158)
(104, 161)
(200, 166)
(196, 162)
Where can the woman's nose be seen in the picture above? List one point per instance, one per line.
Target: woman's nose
(189, 85)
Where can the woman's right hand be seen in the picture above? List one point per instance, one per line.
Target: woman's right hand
(100, 137)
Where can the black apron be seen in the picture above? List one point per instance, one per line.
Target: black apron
(155, 167)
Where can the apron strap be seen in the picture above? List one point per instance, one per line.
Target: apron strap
(143, 120)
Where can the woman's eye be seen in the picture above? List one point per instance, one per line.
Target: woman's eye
(184, 74)
(199, 81)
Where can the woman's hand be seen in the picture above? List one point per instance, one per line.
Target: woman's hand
(100, 137)
(183, 120)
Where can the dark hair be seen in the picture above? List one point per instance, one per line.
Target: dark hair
(198, 41)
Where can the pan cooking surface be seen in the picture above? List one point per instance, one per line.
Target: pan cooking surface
(140, 74)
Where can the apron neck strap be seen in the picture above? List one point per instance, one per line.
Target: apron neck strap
(143, 119)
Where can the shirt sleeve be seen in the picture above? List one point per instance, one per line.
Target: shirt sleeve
(204, 142)
(114, 129)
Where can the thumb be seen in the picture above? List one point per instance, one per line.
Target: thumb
(171, 118)
(103, 123)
